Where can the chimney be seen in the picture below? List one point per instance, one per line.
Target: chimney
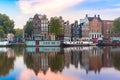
(95, 16)
(60, 17)
(98, 16)
(86, 15)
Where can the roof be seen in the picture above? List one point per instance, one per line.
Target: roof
(91, 18)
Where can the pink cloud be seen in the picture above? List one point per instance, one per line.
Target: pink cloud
(30, 75)
(46, 6)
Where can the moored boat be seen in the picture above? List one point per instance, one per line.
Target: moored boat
(4, 43)
(78, 43)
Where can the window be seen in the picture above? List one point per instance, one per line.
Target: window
(41, 24)
(58, 43)
(53, 42)
(92, 35)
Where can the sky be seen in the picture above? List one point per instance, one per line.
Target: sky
(21, 10)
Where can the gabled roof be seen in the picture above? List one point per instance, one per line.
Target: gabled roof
(91, 18)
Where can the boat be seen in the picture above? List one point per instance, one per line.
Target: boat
(78, 43)
(4, 43)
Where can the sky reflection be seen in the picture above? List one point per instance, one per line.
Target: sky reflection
(30, 75)
(70, 65)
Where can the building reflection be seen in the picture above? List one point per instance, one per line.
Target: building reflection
(88, 58)
(7, 58)
(92, 59)
(41, 58)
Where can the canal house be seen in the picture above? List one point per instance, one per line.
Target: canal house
(92, 28)
(75, 31)
(40, 27)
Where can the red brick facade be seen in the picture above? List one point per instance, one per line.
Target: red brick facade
(107, 28)
(95, 27)
(40, 27)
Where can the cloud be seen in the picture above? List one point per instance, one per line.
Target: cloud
(30, 75)
(118, 5)
(20, 20)
(105, 14)
(62, 8)
(48, 7)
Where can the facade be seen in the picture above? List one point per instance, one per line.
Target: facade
(40, 27)
(92, 27)
(67, 31)
(75, 31)
(95, 28)
(85, 27)
(107, 28)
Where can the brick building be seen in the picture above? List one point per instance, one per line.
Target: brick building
(95, 27)
(67, 31)
(92, 27)
(40, 27)
(107, 26)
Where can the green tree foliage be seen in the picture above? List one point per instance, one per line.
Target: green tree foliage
(1, 32)
(29, 28)
(6, 23)
(116, 23)
(19, 32)
(56, 26)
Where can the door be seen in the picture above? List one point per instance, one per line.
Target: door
(37, 42)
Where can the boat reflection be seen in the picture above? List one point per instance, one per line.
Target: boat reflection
(88, 58)
(42, 49)
(7, 51)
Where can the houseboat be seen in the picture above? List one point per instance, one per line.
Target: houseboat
(43, 43)
(108, 43)
(78, 43)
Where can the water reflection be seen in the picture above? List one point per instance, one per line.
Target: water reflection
(7, 58)
(42, 58)
(49, 63)
(88, 58)
(115, 51)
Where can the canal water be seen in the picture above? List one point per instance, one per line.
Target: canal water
(55, 63)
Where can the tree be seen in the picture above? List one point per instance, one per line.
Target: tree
(56, 26)
(116, 23)
(29, 28)
(19, 34)
(1, 32)
(6, 23)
